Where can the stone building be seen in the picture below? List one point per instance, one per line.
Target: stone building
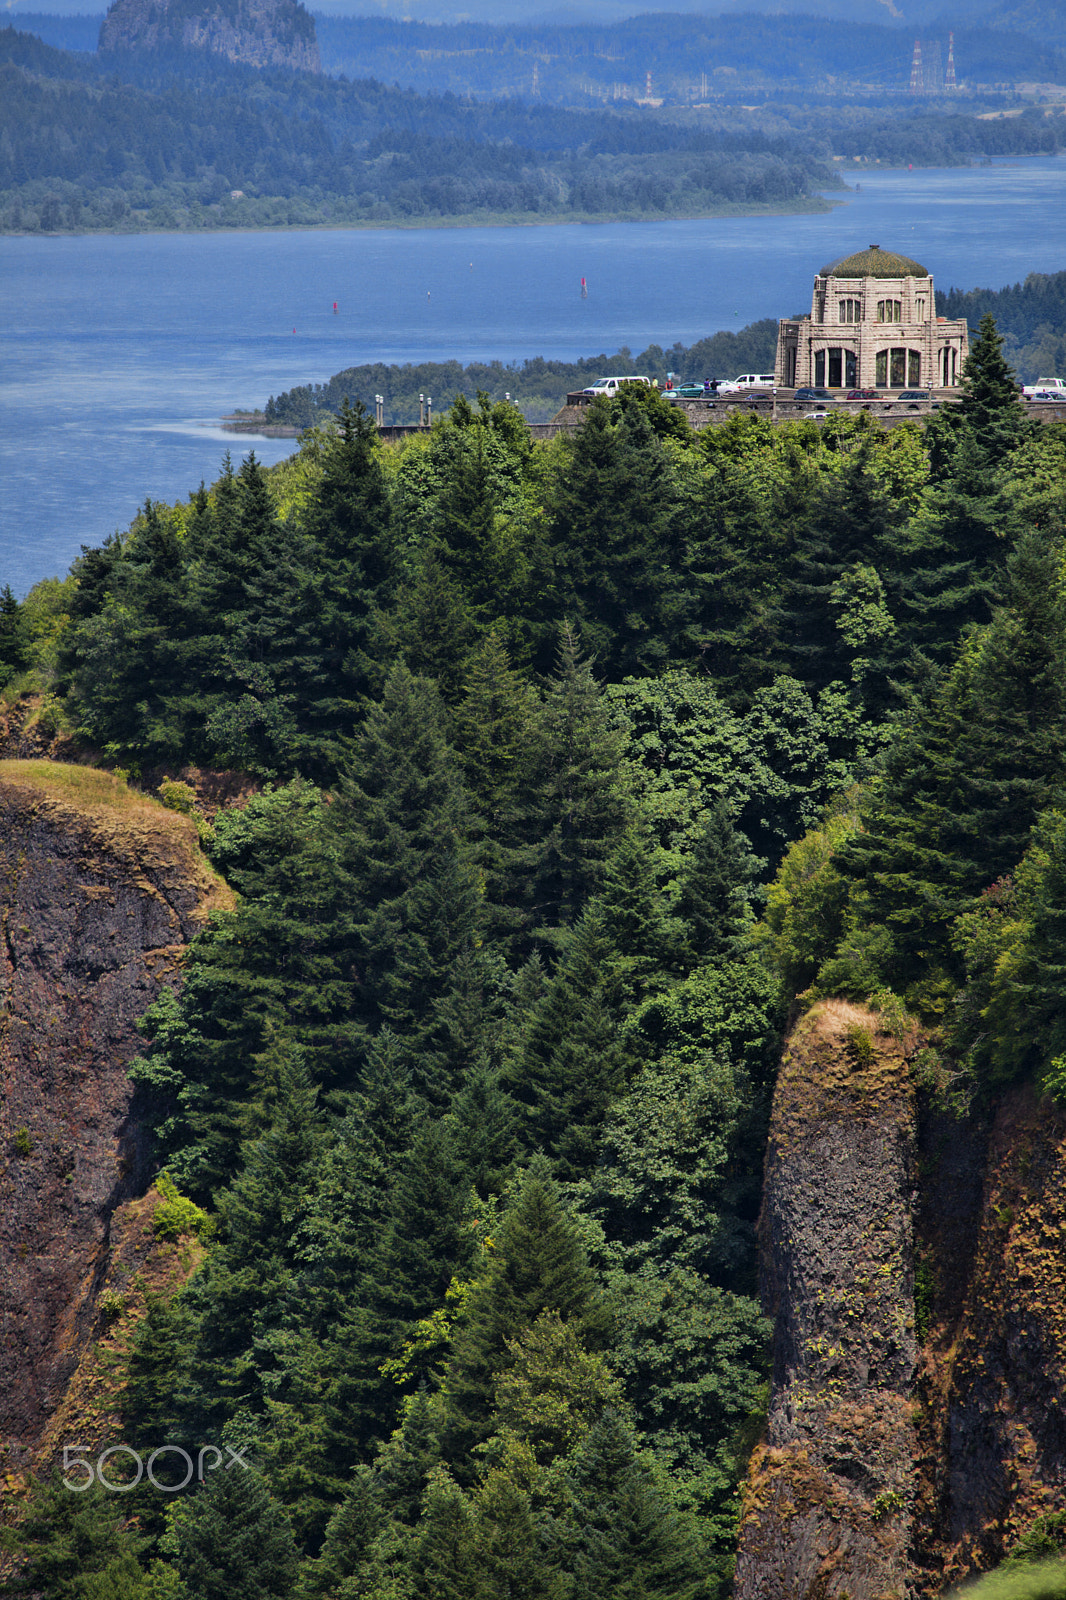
(873, 325)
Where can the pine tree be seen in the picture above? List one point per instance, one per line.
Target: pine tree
(624, 1538)
(966, 780)
(254, 1283)
(536, 1264)
(712, 900)
(347, 1549)
(990, 410)
(617, 541)
(14, 637)
(579, 806)
(572, 1063)
(350, 522)
(400, 824)
(232, 1541)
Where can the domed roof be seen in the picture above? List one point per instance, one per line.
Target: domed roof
(874, 263)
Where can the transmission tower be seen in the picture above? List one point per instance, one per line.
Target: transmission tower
(949, 77)
(916, 68)
(536, 80)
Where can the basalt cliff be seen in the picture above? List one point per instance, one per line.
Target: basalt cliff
(259, 33)
(100, 889)
(914, 1261)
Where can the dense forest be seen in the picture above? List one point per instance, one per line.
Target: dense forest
(199, 142)
(577, 763)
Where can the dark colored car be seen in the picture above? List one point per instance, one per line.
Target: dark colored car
(688, 391)
(821, 395)
(863, 394)
(913, 396)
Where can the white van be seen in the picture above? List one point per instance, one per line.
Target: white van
(749, 380)
(611, 386)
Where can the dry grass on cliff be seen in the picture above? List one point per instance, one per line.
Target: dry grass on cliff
(87, 788)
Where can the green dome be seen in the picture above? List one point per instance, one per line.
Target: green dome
(874, 263)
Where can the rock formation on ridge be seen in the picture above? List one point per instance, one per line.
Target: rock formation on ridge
(259, 33)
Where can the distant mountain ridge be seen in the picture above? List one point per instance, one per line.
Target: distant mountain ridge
(257, 33)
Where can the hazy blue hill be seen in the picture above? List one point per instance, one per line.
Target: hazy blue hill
(79, 32)
(687, 56)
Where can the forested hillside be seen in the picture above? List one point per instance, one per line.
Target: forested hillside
(577, 762)
(152, 139)
(135, 141)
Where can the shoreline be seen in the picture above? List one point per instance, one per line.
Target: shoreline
(816, 206)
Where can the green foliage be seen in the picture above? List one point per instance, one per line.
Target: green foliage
(179, 1215)
(68, 1539)
(23, 1142)
(1044, 1581)
(232, 1540)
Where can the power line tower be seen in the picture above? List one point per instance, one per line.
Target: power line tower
(916, 68)
(647, 87)
(949, 76)
(536, 80)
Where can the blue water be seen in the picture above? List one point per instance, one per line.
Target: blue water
(120, 354)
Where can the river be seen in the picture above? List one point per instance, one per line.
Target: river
(122, 352)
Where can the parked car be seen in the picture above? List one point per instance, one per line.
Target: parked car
(862, 394)
(688, 391)
(749, 380)
(1057, 396)
(912, 397)
(1042, 385)
(821, 396)
(816, 416)
(611, 386)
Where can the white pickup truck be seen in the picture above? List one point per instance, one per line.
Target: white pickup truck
(1056, 386)
(611, 386)
(749, 380)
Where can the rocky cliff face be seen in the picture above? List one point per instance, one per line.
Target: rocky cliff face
(259, 33)
(895, 1467)
(99, 891)
(827, 1501)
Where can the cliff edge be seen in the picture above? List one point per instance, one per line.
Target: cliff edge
(827, 1501)
(100, 888)
(914, 1261)
(258, 33)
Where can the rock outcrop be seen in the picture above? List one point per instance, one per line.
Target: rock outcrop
(827, 1502)
(259, 33)
(895, 1464)
(100, 888)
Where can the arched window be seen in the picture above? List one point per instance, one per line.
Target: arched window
(890, 311)
(898, 369)
(850, 311)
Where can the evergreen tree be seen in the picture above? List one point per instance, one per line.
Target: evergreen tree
(14, 637)
(536, 1264)
(617, 541)
(400, 822)
(712, 899)
(623, 1537)
(69, 1537)
(232, 1541)
(254, 1283)
(348, 1545)
(444, 1563)
(350, 522)
(579, 806)
(965, 781)
(572, 1063)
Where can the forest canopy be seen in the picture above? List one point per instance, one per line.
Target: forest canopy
(576, 766)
